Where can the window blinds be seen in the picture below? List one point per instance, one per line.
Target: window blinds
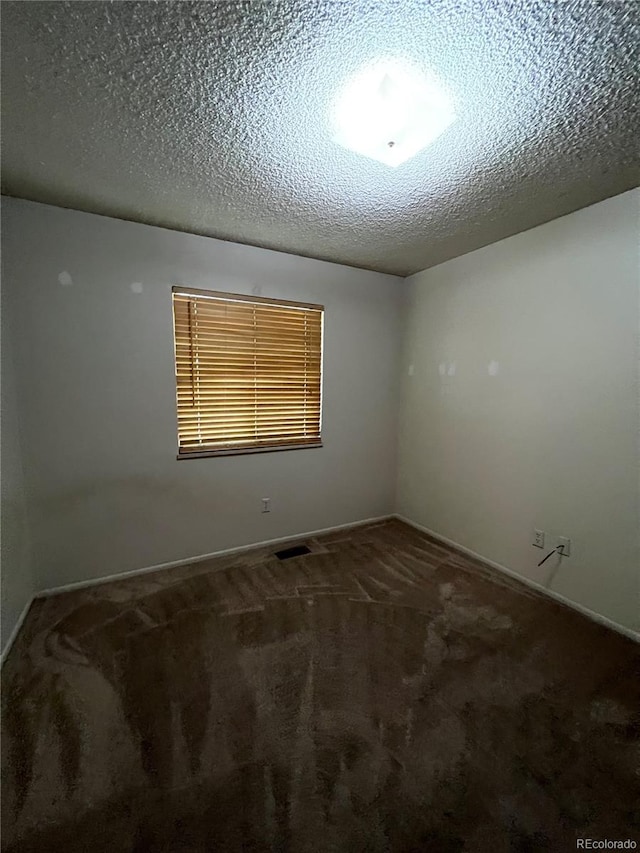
(248, 372)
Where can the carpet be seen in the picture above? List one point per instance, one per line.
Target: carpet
(381, 693)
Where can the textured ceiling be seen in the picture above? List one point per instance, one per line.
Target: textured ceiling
(214, 118)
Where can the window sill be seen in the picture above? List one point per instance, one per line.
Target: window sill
(241, 451)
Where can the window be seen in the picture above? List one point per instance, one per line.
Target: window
(248, 373)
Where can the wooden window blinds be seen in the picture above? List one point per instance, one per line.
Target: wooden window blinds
(248, 373)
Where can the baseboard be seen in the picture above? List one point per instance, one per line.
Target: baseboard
(58, 590)
(590, 614)
(16, 630)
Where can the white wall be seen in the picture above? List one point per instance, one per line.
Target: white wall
(15, 566)
(551, 441)
(97, 396)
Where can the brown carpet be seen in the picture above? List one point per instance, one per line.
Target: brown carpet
(383, 693)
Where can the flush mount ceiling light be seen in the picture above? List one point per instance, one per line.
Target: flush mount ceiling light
(390, 111)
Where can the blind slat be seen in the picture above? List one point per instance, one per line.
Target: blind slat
(245, 417)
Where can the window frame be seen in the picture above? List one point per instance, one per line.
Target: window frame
(260, 300)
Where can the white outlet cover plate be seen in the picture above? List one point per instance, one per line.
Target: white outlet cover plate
(538, 539)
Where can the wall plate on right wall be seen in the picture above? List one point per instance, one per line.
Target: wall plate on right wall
(565, 545)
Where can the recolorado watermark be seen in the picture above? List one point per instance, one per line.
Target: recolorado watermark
(605, 844)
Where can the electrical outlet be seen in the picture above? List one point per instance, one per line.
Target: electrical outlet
(538, 539)
(564, 546)
(266, 504)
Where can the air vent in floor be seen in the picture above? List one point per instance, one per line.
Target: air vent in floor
(296, 551)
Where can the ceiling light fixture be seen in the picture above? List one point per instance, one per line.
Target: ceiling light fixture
(390, 111)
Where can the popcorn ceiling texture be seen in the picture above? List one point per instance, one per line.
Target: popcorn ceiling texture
(214, 118)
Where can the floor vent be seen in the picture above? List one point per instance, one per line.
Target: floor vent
(296, 551)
